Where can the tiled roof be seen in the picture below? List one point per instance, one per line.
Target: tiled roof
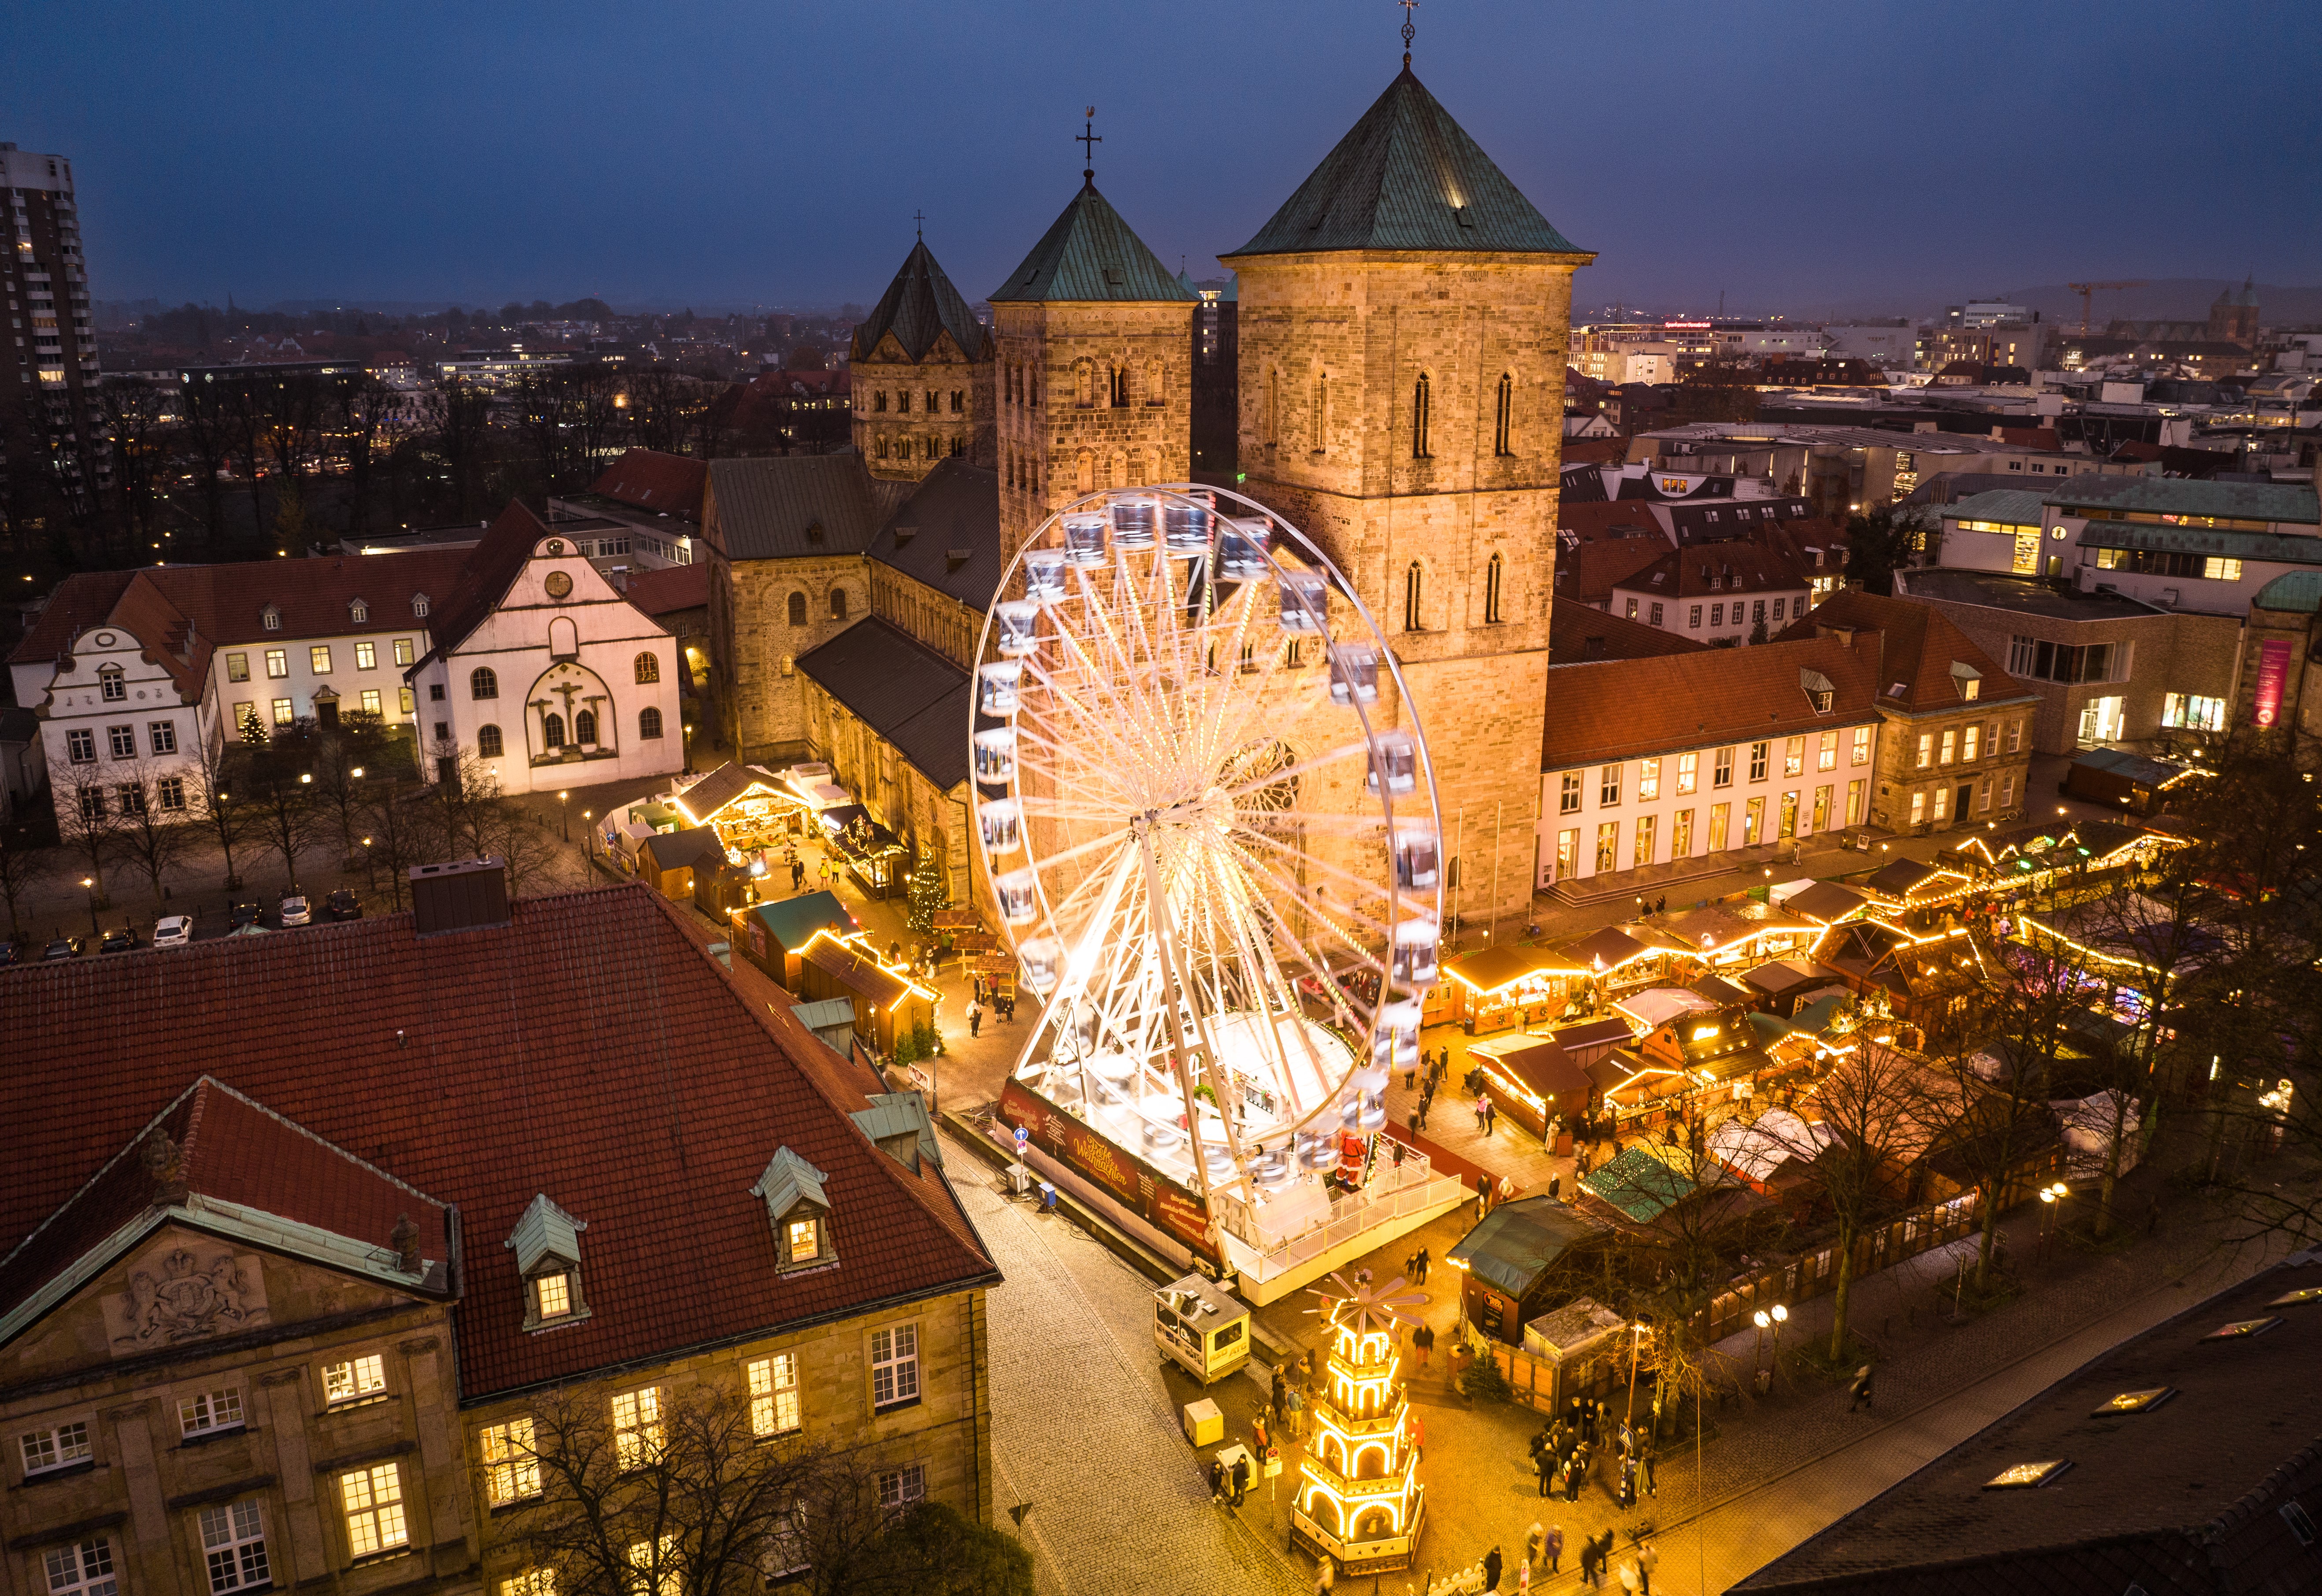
(1917, 647)
(1621, 708)
(1602, 550)
(782, 506)
(1090, 253)
(2178, 495)
(903, 690)
(721, 787)
(648, 479)
(2277, 548)
(1577, 632)
(492, 567)
(230, 1150)
(2186, 1496)
(1407, 177)
(919, 307)
(954, 511)
(665, 589)
(1735, 567)
(587, 1051)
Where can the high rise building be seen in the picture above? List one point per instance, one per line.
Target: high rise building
(48, 412)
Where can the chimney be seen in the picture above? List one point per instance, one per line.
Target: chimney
(404, 1239)
(1845, 634)
(468, 895)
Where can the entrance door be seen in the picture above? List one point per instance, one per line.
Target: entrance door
(1961, 801)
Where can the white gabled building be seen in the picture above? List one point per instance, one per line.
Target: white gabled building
(545, 672)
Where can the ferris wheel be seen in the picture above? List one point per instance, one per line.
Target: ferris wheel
(1210, 822)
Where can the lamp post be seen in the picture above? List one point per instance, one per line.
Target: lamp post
(565, 815)
(2049, 1196)
(686, 728)
(90, 882)
(1764, 1321)
(371, 868)
(1781, 1317)
(588, 832)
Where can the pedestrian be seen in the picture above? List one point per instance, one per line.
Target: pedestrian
(1410, 1268)
(1589, 1564)
(1532, 1543)
(974, 1018)
(1543, 1463)
(1414, 1121)
(1628, 1494)
(1645, 1460)
(1576, 1474)
(1492, 1569)
(1326, 1574)
(1240, 1478)
(1398, 1156)
(1646, 1558)
(1424, 1262)
(1411, 1078)
(1630, 1578)
(1423, 1341)
(1861, 1395)
(1424, 1104)
(797, 874)
(1552, 1547)
(1419, 1437)
(1478, 1112)
(1490, 1117)
(1507, 1190)
(1217, 1481)
(1278, 1389)
(1262, 1442)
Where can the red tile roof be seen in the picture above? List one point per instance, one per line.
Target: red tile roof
(1916, 644)
(491, 569)
(648, 479)
(587, 1050)
(1598, 544)
(236, 1150)
(1735, 567)
(1596, 452)
(1617, 709)
(2030, 437)
(667, 589)
(1578, 632)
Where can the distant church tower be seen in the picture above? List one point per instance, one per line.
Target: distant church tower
(1096, 349)
(2232, 317)
(1403, 323)
(920, 367)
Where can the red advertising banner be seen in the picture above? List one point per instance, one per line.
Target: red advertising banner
(1134, 1184)
(2273, 677)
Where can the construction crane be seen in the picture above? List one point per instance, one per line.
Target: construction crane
(2088, 293)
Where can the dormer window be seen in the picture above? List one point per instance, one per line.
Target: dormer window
(547, 1248)
(419, 605)
(1819, 689)
(358, 612)
(799, 1211)
(1969, 679)
(270, 619)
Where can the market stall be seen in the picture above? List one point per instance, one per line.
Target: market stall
(1508, 1262)
(771, 936)
(1495, 988)
(1201, 1328)
(887, 1001)
(669, 859)
(1532, 1082)
(750, 805)
(873, 855)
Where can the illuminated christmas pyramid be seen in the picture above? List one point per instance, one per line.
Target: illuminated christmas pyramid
(1359, 1499)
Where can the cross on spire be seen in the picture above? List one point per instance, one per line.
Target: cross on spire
(919, 224)
(1088, 139)
(1408, 6)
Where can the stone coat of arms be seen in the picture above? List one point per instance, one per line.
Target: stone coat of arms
(181, 1296)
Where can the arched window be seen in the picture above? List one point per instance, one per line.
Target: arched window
(1320, 419)
(482, 683)
(1492, 574)
(879, 401)
(1084, 383)
(1153, 395)
(798, 609)
(648, 722)
(1422, 401)
(1413, 581)
(839, 604)
(584, 727)
(1504, 421)
(1087, 477)
(879, 448)
(488, 742)
(648, 668)
(1117, 378)
(551, 730)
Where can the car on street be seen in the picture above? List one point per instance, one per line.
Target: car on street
(244, 911)
(11, 952)
(342, 905)
(173, 931)
(61, 947)
(297, 911)
(121, 939)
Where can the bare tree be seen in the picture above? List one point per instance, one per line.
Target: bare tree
(89, 818)
(204, 437)
(516, 835)
(221, 802)
(134, 409)
(463, 414)
(154, 834)
(401, 828)
(363, 407)
(280, 802)
(23, 869)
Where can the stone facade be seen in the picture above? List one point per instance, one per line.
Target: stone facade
(909, 415)
(758, 640)
(151, 1474)
(898, 793)
(1928, 780)
(1405, 408)
(1092, 394)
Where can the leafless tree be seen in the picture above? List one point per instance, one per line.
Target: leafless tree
(134, 409)
(205, 438)
(462, 412)
(23, 869)
(154, 834)
(221, 802)
(362, 408)
(88, 816)
(514, 834)
(280, 800)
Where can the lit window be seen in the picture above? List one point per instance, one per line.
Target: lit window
(1608, 787)
(56, 1448)
(894, 1366)
(511, 1471)
(366, 656)
(371, 702)
(774, 1394)
(1689, 770)
(374, 1498)
(1827, 752)
(637, 1429)
(532, 1581)
(283, 712)
(1968, 741)
(355, 1379)
(1794, 756)
(277, 664)
(206, 1412)
(237, 667)
(234, 1541)
(554, 1295)
(1861, 754)
(1919, 807)
(1648, 779)
(1951, 740)
(1926, 750)
(655, 1565)
(318, 658)
(402, 651)
(85, 1569)
(803, 1240)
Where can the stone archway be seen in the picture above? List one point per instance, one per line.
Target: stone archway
(570, 714)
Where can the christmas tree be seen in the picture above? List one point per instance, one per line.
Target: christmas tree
(1359, 1499)
(929, 892)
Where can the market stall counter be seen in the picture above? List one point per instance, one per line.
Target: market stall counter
(1532, 1082)
(1495, 988)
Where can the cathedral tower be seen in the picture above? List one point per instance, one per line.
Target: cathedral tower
(1094, 342)
(920, 366)
(1402, 323)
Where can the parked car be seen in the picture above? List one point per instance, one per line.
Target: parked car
(342, 905)
(297, 911)
(121, 939)
(244, 911)
(173, 931)
(10, 952)
(62, 947)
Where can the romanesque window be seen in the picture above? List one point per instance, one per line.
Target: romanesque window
(1503, 422)
(488, 742)
(1493, 573)
(1413, 580)
(1319, 418)
(482, 683)
(935, 402)
(798, 609)
(648, 668)
(839, 604)
(1422, 401)
(1087, 474)
(879, 401)
(1153, 395)
(879, 447)
(1085, 385)
(959, 401)
(902, 401)
(1117, 378)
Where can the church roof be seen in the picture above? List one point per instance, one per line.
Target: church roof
(918, 305)
(1407, 177)
(1089, 253)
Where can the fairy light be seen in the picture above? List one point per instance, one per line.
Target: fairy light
(1362, 1424)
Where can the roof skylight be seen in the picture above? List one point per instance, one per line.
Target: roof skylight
(2026, 1476)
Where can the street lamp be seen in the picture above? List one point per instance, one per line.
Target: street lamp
(565, 815)
(2049, 1196)
(90, 882)
(588, 832)
(371, 872)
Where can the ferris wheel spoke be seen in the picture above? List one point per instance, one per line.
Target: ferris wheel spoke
(1344, 753)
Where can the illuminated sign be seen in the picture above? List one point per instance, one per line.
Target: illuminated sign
(2272, 673)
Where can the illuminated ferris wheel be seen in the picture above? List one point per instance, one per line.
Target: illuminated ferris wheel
(1209, 823)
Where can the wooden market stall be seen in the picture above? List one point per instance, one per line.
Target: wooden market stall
(669, 859)
(1499, 988)
(887, 1001)
(1532, 1082)
(1508, 1262)
(771, 936)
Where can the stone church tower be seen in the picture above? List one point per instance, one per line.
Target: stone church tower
(1094, 342)
(1402, 324)
(921, 370)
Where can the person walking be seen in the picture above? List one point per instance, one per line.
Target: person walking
(1543, 1463)
(1551, 1546)
(1492, 1569)
(1491, 1115)
(1532, 1542)
(1415, 1117)
(1630, 1578)
(1645, 1459)
(1325, 1575)
(1423, 1341)
(1646, 1560)
(1589, 1563)
(1860, 1396)
(974, 1018)
(1424, 1260)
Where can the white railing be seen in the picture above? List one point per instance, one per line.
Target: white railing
(1393, 1194)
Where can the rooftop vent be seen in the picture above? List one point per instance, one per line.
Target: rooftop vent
(904, 534)
(468, 895)
(2241, 1330)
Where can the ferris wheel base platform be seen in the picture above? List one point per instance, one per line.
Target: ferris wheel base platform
(1259, 1280)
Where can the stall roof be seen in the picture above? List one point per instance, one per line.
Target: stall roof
(857, 972)
(1657, 1006)
(728, 784)
(1720, 992)
(1640, 1186)
(2133, 767)
(1579, 1324)
(1536, 1063)
(1516, 1243)
(1816, 1017)
(793, 921)
(1779, 977)
(1720, 925)
(1826, 901)
(677, 849)
(1590, 1036)
(1611, 946)
(1489, 969)
(1896, 882)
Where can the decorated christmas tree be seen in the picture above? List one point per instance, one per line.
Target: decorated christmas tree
(929, 892)
(1359, 1499)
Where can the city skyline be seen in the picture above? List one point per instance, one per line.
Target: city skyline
(478, 163)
